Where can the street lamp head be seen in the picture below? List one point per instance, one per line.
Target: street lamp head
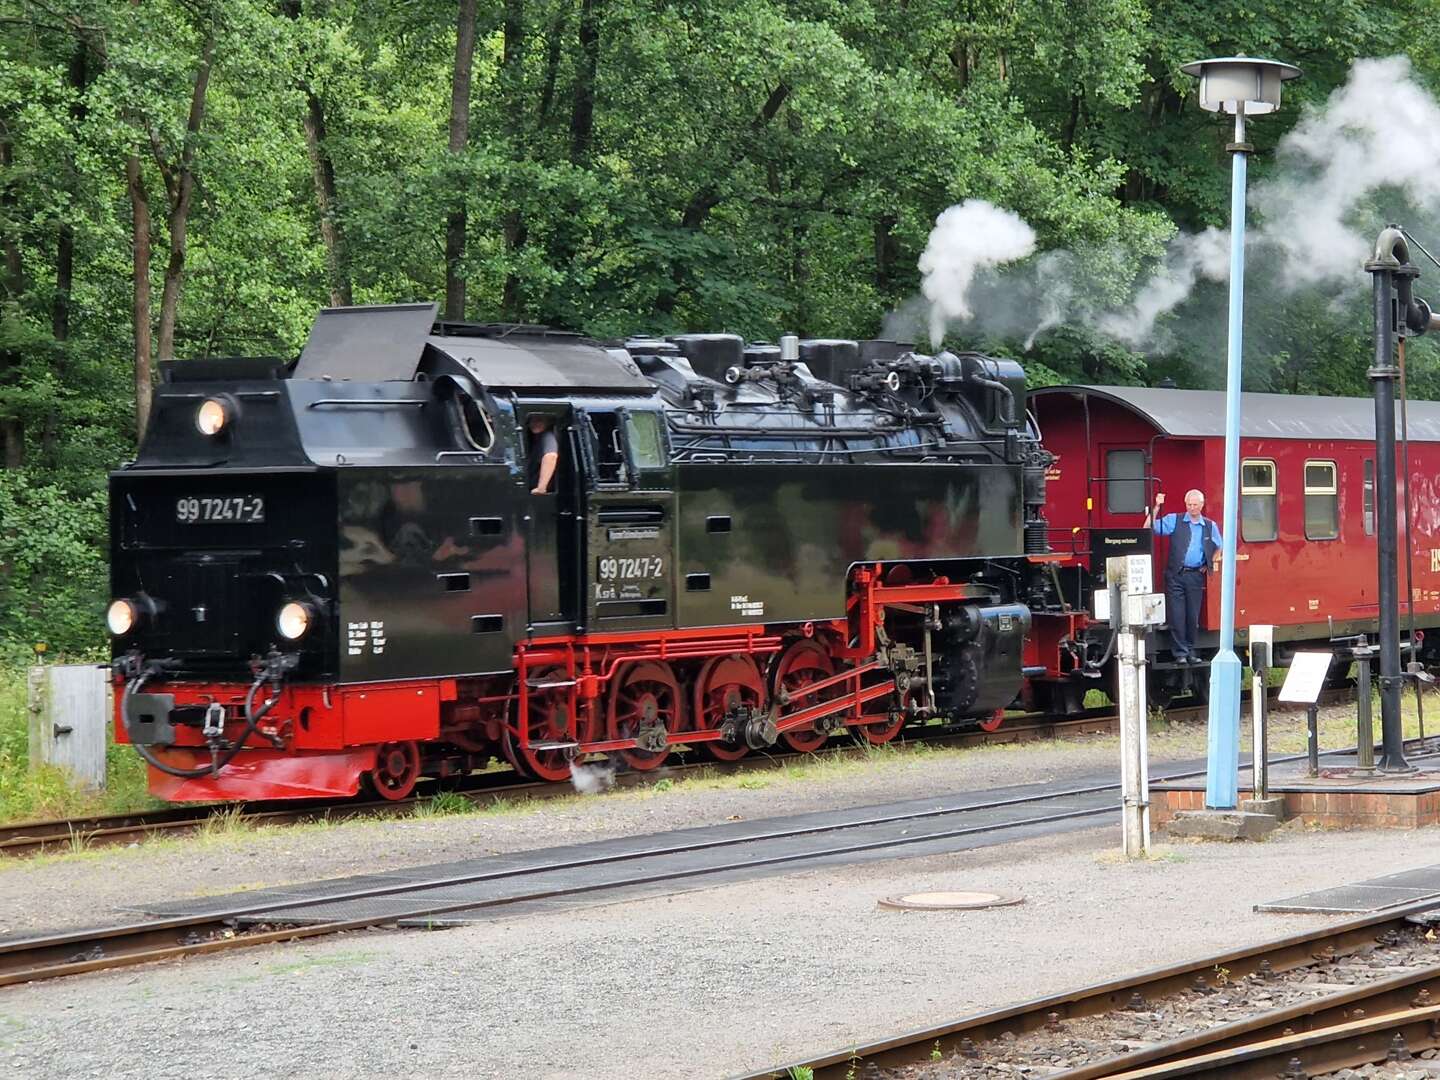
(1227, 81)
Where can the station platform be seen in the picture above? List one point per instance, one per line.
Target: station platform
(1339, 797)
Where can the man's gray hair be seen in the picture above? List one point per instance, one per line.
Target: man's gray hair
(1195, 491)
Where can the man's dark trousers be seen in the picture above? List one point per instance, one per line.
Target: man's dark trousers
(1184, 593)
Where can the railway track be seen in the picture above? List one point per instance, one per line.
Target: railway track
(33, 837)
(543, 877)
(28, 838)
(1353, 987)
(1294, 1041)
(405, 901)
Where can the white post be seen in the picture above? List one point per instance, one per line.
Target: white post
(1131, 607)
(1134, 783)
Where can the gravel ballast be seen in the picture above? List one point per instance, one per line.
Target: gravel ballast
(105, 879)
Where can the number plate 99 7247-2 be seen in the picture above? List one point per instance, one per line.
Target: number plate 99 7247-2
(220, 509)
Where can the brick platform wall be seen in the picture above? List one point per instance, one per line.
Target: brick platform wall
(1328, 809)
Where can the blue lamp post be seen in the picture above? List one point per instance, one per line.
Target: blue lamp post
(1243, 86)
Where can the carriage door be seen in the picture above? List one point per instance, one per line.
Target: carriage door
(1119, 500)
(630, 515)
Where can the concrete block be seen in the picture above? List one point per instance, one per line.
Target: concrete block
(1271, 807)
(1222, 825)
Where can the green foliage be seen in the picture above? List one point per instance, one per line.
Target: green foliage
(53, 588)
(751, 165)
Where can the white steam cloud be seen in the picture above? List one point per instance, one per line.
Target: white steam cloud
(1187, 259)
(965, 239)
(592, 779)
(1379, 132)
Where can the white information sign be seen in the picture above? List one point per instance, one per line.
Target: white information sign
(1306, 677)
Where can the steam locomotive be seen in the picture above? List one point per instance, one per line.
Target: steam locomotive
(339, 570)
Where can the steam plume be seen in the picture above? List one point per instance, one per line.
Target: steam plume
(1312, 219)
(967, 237)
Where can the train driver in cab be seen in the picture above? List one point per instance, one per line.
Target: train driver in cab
(544, 454)
(1194, 550)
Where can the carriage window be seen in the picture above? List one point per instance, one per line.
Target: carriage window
(1369, 496)
(1258, 519)
(1322, 501)
(1125, 481)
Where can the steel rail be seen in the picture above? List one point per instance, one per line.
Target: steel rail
(54, 956)
(1397, 994)
(961, 1036)
(33, 836)
(1394, 1037)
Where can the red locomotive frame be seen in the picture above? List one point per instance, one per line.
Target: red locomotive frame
(592, 693)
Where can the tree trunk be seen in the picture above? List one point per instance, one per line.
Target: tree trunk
(887, 252)
(456, 220)
(14, 280)
(331, 234)
(181, 188)
(552, 64)
(582, 112)
(800, 277)
(512, 223)
(65, 241)
(140, 233)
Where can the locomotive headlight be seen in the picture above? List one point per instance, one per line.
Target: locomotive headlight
(121, 617)
(212, 417)
(293, 620)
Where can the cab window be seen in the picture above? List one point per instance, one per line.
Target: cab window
(1258, 517)
(610, 466)
(647, 440)
(1322, 501)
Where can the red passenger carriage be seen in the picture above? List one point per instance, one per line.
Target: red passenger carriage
(1306, 553)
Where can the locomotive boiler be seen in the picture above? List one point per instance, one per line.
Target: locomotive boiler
(338, 569)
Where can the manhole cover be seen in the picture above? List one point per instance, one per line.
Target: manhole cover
(962, 900)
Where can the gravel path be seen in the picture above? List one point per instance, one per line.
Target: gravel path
(703, 983)
(97, 882)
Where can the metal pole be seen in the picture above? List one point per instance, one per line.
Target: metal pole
(1260, 753)
(1382, 376)
(1223, 756)
(1312, 739)
(1415, 667)
(1364, 723)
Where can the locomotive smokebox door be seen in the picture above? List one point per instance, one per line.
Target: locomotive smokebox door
(630, 514)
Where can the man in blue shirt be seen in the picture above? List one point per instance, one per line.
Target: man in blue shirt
(1194, 550)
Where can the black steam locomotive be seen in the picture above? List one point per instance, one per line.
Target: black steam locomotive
(339, 570)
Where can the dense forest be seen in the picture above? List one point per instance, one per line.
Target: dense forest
(181, 178)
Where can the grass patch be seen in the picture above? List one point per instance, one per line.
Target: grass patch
(30, 794)
(443, 804)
